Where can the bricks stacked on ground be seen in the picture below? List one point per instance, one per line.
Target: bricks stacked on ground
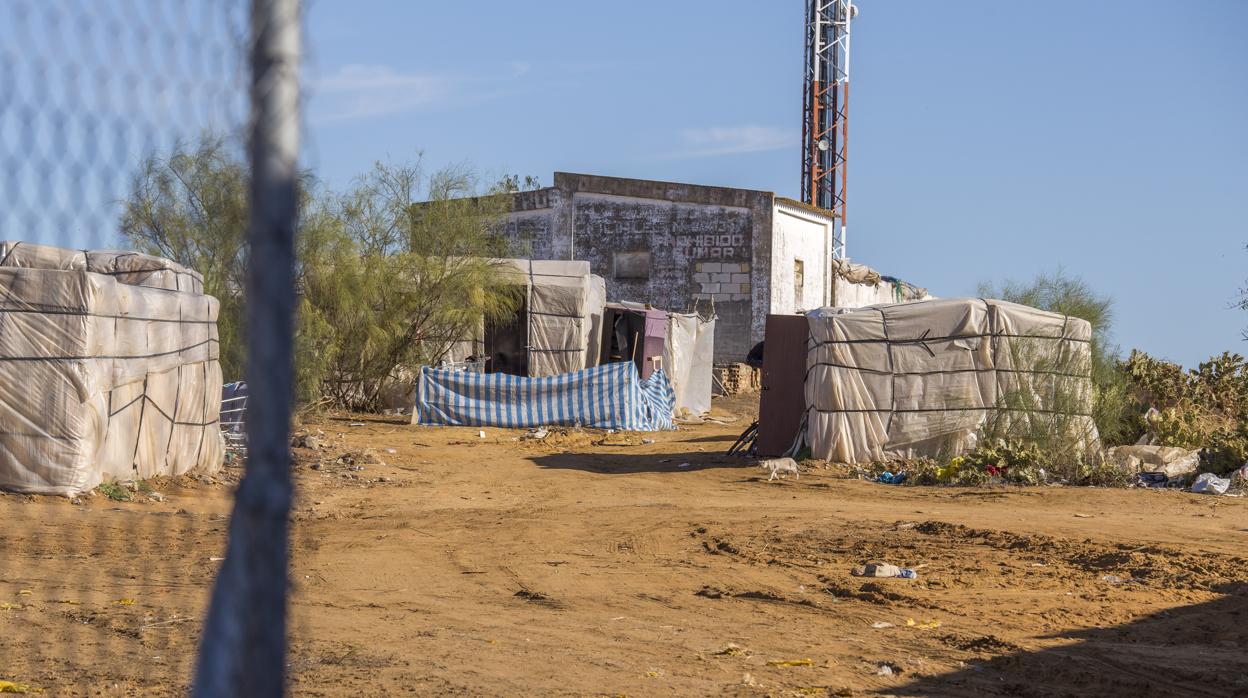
(737, 379)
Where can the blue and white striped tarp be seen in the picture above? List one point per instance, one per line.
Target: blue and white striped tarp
(605, 397)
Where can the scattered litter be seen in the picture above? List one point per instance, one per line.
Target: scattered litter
(880, 625)
(791, 662)
(747, 679)
(392, 451)
(887, 669)
(481, 434)
(534, 434)
(1152, 480)
(880, 569)
(13, 687)
(1113, 579)
(24, 592)
(922, 625)
(215, 559)
(306, 441)
(684, 465)
(356, 424)
(1168, 460)
(890, 478)
(1208, 483)
(123, 602)
(731, 650)
(6, 606)
(1083, 516)
(647, 441)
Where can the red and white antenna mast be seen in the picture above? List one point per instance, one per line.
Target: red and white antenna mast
(825, 105)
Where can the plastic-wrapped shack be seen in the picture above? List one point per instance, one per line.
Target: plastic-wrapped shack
(557, 328)
(111, 369)
(925, 378)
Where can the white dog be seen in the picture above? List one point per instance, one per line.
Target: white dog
(780, 467)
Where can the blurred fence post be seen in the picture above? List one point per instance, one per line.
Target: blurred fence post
(243, 649)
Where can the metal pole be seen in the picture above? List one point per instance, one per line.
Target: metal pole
(243, 650)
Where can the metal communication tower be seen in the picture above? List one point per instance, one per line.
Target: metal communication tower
(825, 105)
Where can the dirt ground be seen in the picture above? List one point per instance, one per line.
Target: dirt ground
(436, 562)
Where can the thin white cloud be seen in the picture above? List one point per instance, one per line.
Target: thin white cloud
(363, 91)
(733, 140)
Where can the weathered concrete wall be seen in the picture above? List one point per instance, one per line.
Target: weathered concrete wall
(798, 236)
(676, 246)
(533, 225)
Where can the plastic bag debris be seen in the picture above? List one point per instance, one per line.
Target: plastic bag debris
(1151, 480)
(1208, 483)
(922, 625)
(891, 478)
(887, 669)
(13, 687)
(880, 569)
(879, 625)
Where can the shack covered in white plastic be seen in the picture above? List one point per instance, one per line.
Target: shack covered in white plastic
(108, 369)
(923, 378)
(562, 313)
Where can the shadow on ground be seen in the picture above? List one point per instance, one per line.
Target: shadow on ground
(1189, 651)
(625, 463)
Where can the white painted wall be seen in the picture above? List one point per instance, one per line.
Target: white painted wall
(798, 235)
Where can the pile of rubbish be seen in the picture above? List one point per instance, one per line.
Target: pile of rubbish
(1001, 462)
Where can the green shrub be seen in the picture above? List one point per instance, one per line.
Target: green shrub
(1114, 409)
(1205, 408)
(115, 491)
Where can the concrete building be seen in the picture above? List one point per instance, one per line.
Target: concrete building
(738, 253)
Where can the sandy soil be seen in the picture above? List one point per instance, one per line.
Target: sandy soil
(593, 564)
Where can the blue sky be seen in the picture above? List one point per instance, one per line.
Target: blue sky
(988, 140)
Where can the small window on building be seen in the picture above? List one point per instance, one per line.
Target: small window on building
(799, 284)
(631, 265)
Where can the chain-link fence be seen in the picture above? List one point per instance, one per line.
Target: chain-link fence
(169, 131)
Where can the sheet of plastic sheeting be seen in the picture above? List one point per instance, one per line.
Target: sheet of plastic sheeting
(698, 388)
(94, 374)
(130, 268)
(595, 303)
(921, 378)
(612, 396)
(555, 345)
(688, 357)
